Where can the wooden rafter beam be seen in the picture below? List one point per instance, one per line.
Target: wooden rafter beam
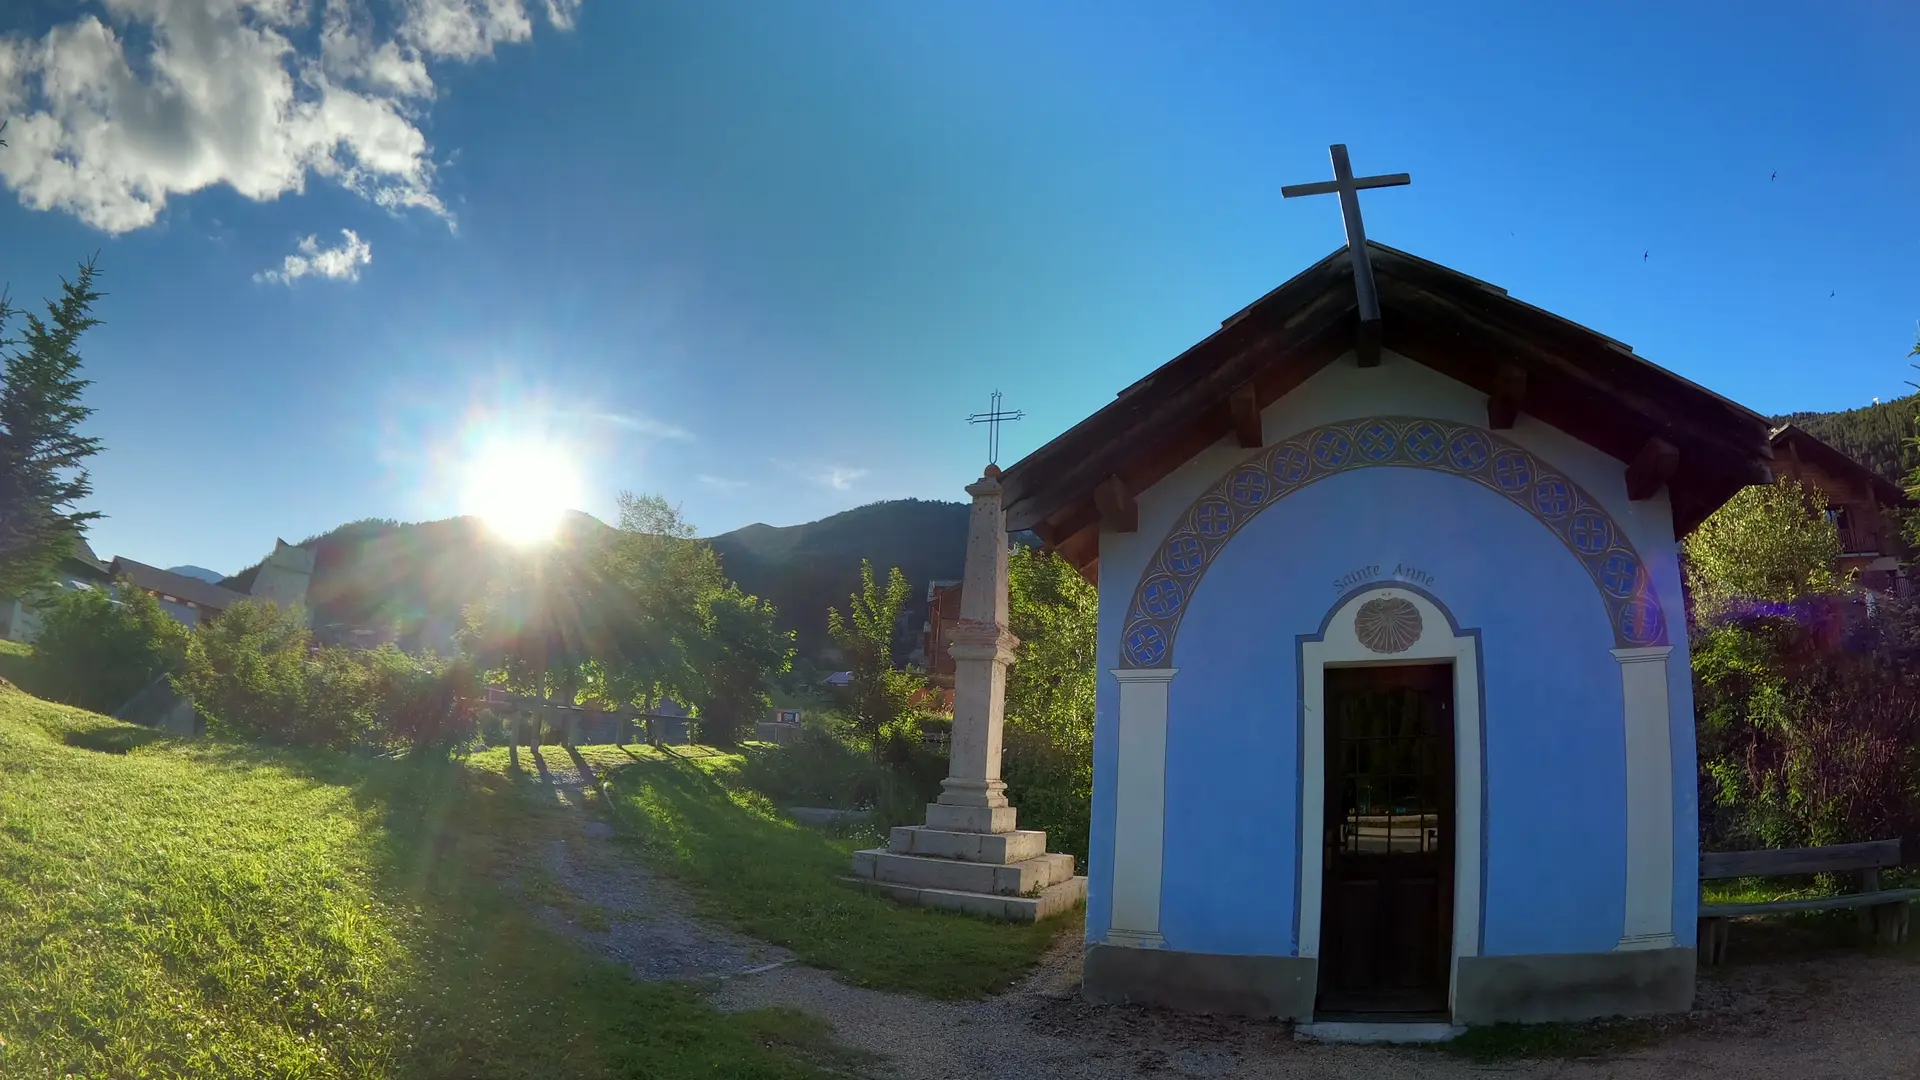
(1651, 468)
(1509, 396)
(1118, 511)
(1244, 406)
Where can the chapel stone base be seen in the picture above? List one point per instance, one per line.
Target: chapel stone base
(972, 859)
(1487, 989)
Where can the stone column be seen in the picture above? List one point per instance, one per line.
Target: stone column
(970, 856)
(973, 797)
(1648, 723)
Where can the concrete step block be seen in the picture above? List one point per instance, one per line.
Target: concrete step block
(1024, 878)
(1009, 847)
(1052, 900)
(980, 819)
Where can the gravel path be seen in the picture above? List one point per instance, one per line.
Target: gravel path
(1848, 1015)
(1841, 1015)
(595, 892)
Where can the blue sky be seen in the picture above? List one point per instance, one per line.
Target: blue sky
(762, 258)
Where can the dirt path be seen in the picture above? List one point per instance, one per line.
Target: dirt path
(1835, 1014)
(596, 892)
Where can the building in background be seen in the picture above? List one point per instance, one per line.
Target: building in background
(1864, 506)
(943, 606)
(81, 569)
(188, 599)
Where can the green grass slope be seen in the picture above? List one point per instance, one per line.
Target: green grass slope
(690, 813)
(206, 910)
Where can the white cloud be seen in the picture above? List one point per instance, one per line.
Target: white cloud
(721, 482)
(837, 477)
(644, 425)
(111, 118)
(338, 263)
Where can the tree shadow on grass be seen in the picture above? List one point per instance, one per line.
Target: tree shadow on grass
(789, 885)
(493, 991)
(114, 739)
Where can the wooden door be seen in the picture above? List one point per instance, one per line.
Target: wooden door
(1386, 938)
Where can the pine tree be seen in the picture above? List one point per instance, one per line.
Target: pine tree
(42, 457)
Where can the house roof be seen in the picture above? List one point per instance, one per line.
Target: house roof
(1580, 381)
(1796, 439)
(193, 590)
(82, 553)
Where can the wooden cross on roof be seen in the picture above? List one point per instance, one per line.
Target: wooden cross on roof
(1367, 345)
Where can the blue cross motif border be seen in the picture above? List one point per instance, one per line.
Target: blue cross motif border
(1409, 442)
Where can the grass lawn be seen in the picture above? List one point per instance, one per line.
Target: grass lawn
(687, 812)
(199, 909)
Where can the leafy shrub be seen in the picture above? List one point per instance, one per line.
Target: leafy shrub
(426, 704)
(97, 651)
(255, 672)
(1809, 737)
(1048, 756)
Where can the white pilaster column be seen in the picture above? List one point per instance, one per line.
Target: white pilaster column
(1648, 724)
(973, 797)
(1140, 799)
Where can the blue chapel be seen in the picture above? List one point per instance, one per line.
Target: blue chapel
(1394, 712)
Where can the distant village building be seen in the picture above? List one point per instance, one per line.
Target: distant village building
(81, 569)
(943, 607)
(285, 575)
(1863, 506)
(188, 599)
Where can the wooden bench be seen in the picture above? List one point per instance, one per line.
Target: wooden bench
(1883, 911)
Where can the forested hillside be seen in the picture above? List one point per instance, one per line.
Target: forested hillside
(1877, 436)
(418, 578)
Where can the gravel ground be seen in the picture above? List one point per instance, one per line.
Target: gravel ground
(1838, 1014)
(598, 894)
(1848, 1015)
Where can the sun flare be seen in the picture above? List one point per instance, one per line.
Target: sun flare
(521, 489)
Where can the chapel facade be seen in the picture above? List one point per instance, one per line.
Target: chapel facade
(1394, 713)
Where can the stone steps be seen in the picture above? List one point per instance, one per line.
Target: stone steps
(1002, 848)
(1024, 878)
(1052, 900)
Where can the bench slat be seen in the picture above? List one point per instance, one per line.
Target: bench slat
(1715, 865)
(1823, 903)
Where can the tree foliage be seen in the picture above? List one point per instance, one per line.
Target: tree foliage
(1767, 545)
(877, 695)
(738, 656)
(43, 456)
(96, 651)
(1048, 757)
(1809, 733)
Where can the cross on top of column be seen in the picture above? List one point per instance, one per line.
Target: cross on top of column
(1349, 186)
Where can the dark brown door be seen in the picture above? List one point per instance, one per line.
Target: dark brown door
(1386, 937)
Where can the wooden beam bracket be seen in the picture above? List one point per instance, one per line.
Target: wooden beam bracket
(1118, 511)
(1651, 468)
(1508, 398)
(1245, 407)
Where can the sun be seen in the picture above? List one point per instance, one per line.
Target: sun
(521, 489)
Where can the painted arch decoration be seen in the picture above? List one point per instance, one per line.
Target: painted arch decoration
(1414, 442)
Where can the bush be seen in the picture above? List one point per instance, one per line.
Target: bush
(1808, 736)
(255, 672)
(97, 651)
(425, 704)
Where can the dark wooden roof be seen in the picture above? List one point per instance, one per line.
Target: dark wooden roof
(179, 586)
(1582, 382)
(1812, 449)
